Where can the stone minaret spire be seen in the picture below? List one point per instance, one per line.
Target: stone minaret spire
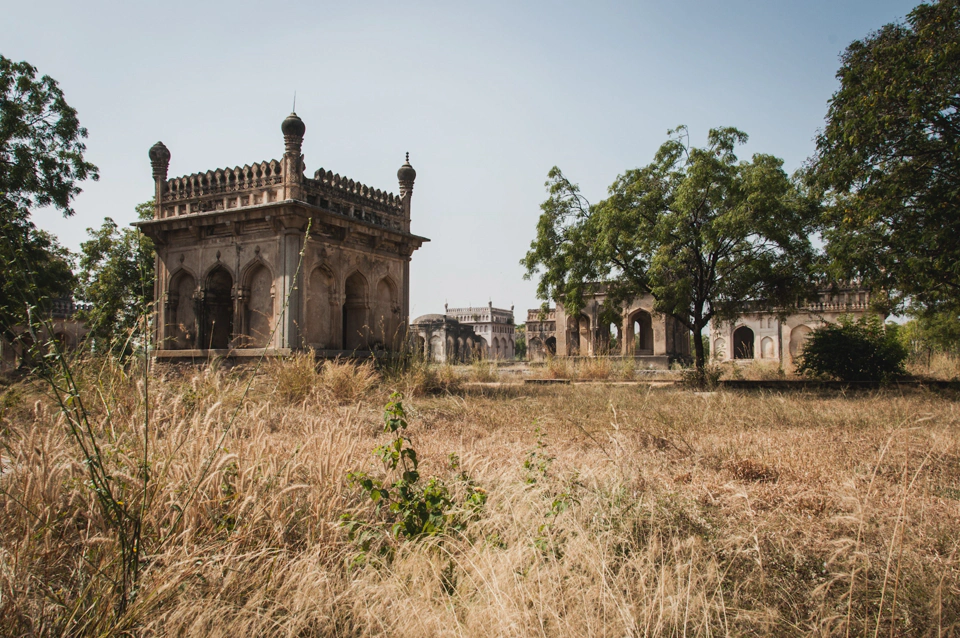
(293, 129)
(406, 175)
(160, 161)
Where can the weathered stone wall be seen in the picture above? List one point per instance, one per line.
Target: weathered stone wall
(261, 257)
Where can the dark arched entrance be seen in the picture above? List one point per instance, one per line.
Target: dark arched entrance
(641, 324)
(355, 328)
(743, 343)
(551, 345)
(217, 310)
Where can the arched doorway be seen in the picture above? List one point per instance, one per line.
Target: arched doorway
(217, 310)
(436, 349)
(321, 310)
(385, 317)
(259, 325)
(551, 345)
(641, 324)
(181, 330)
(481, 349)
(743, 343)
(355, 313)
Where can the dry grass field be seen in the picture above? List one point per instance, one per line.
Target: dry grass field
(610, 510)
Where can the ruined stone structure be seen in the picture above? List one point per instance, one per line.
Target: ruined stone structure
(541, 334)
(766, 337)
(443, 339)
(654, 340)
(494, 325)
(64, 326)
(262, 258)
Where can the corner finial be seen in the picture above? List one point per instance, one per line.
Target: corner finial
(406, 175)
(159, 160)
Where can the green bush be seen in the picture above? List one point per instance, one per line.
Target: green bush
(862, 350)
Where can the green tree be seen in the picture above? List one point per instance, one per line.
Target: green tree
(697, 229)
(41, 164)
(888, 160)
(116, 278)
(520, 341)
(41, 147)
(932, 331)
(35, 269)
(850, 350)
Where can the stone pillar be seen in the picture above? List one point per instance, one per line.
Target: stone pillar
(561, 331)
(291, 290)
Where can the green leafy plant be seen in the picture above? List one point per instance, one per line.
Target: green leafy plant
(538, 460)
(403, 505)
(850, 350)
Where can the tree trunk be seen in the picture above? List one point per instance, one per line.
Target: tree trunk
(699, 357)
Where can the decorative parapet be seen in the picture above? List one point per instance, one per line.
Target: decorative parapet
(262, 183)
(537, 314)
(355, 192)
(848, 299)
(67, 307)
(223, 180)
(222, 188)
(348, 197)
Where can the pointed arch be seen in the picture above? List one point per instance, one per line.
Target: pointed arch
(743, 343)
(798, 338)
(181, 310)
(356, 329)
(217, 309)
(766, 348)
(321, 320)
(640, 333)
(386, 313)
(259, 305)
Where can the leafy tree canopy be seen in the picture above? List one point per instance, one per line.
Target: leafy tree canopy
(41, 147)
(699, 230)
(888, 160)
(932, 331)
(41, 163)
(35, 269)
(116, 278)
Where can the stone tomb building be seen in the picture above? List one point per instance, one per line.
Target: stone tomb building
(443, 339)
(263, 258)
(494, 326)
(766, 337)
(654, 340)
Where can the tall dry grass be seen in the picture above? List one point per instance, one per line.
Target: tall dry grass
(935, 365)
(635, 512)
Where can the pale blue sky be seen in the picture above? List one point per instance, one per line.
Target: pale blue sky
(485, 96)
